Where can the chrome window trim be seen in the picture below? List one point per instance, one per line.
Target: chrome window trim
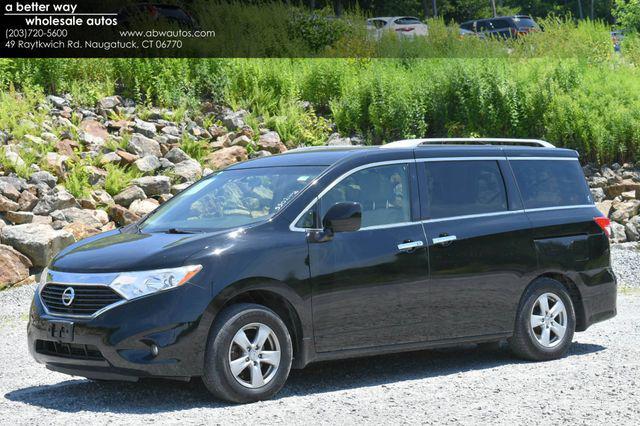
(292, 225)
(294, 228)
(436, 159)
(473, 216)
(543, 158)
(68, 279)
(575, 206)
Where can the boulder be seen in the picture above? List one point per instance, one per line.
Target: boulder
(632, 229)
(102, 198)
(81, 230)
(625, 210)
(96, 175)
(18, 183)
(226, 157)
(271, 142)
(6, 205)
(234, 120)
(27, 201)
(144, 127)
(617, 189)
(43, 177)
(18, 218)
(153, 185)
(618, 233)
(37, 241)
(93, 218)
(110, 102)
(55, 201)
(142, 146)
(336, 140)
(122, 216)
(241, 140)
(147, 164)
(187, 171)
(176, 155)
(111, 158)
(259, 154)
(171, 130)
(9, 191)
(143, 207)
(93, 133)
(67, 147)
(176, 189)
(605, 207)
(129, 195)
(598, 194)
(57, 101)
(127, 157)
(14, 266)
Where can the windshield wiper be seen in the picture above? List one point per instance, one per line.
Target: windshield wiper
(179, 231)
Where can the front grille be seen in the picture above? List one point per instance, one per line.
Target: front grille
(68, 350)
(88, 299)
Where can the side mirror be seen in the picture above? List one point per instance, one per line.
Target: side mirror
(343, 217)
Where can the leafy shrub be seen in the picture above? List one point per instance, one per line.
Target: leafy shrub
(119, 178)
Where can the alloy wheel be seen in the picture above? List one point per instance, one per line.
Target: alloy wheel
(254, 355)
(549, 320)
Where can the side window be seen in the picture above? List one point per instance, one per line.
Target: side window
(500, 24)
(460, 188)
(548, 183)
(383, 192)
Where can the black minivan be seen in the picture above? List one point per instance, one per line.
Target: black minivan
(327, 253)
(502, 26)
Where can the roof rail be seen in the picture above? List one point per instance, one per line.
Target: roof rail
(323, 148)
(414, 143)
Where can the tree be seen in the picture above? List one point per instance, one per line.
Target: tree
(627, 13)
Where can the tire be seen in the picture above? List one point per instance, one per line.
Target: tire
(254, 322)
(536, 343)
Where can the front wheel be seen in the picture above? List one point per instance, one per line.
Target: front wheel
(249, 354)
(545, 323)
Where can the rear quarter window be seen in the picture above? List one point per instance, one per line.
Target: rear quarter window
(551, 183)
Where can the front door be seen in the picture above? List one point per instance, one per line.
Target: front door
(367, 284)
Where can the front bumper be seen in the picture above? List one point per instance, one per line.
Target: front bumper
(117, 344)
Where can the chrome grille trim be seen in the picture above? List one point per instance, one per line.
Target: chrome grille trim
(78, 280)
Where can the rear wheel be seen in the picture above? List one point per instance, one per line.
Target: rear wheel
(249, 354)
(545, 323)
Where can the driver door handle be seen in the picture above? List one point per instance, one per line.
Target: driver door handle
(410, 245)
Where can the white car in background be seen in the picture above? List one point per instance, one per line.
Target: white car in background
(403, 26)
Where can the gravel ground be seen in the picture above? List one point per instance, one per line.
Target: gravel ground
(596, 383)
(625, 259)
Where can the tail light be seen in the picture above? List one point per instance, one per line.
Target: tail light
(405, 29)
(153, 11)
(604, 223)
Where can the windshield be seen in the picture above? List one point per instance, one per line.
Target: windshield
(230, 199)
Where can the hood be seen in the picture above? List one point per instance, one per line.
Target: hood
(120, 251)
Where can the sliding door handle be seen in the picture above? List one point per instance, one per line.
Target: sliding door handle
(445, 239)
(410, 245)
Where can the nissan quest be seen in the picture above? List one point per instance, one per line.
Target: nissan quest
(329, 253)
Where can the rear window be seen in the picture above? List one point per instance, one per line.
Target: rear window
(525, 23)
(548, 183)
(460, 188)
(408, 21)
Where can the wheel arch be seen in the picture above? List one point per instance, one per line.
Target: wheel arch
(275, 295)
(573, 291)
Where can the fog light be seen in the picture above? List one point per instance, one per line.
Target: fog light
(154, 350)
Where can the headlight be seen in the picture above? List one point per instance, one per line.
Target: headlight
(137, 284)
(43, 279)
